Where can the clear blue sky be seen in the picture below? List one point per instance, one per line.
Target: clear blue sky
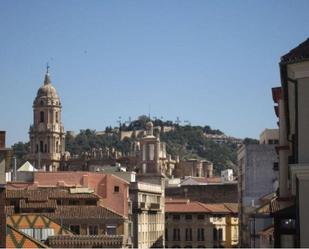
(209, 62)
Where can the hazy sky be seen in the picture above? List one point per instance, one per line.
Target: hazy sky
(209, 62)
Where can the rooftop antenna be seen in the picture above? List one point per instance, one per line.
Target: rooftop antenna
(177, 121)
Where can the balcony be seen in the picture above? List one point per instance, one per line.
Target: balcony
(139, 206)
(154, 206)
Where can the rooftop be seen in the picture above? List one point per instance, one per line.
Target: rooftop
(187, 206)
(298, 54)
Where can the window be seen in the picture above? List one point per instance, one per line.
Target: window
(57, 147)
(188, 234)
(116, 189)
(93, 230)
(39, 234)
(220, 234)
(201, 217)
(45, 149)
(42, 117)
(200, 234)
(215, 234)
(176, 234)
(111, 230)
(166, 234)
(57, 119)
(41, 146)
(91, 202)
(176, 217)
(188, 217)
(75, 229)
(74, 202)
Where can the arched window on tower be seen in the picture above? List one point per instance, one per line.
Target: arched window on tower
(57, 147)
(57, 119)
(41, 117)
(41, 146)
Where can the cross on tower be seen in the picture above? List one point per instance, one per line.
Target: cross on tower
(47, 67)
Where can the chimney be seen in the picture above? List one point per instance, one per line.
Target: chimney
(2, 139)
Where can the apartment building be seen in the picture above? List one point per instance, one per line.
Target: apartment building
(192, 224)
(292, 108)
(256, 178)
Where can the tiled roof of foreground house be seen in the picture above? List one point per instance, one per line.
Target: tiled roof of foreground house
(300, 53)
(187, 206)
(22, 221)
(18, 239)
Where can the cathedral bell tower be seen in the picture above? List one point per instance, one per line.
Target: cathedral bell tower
(47, 132)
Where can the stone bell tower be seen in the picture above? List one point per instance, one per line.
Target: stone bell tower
(47, 132)
(150, 156)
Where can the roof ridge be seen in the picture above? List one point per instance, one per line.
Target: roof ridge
(204, 206)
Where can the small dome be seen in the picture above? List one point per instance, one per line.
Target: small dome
(149, 125)
(47, 89)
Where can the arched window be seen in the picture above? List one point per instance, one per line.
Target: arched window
(56, 114)
(41, 117)
(57, 147)
(41, 146)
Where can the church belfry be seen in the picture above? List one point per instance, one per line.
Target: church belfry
(47, 132)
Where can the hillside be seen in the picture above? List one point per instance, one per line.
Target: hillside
(184, 141)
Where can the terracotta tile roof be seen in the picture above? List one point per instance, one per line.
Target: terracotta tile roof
(83, 212)
(217, 208)
(233, 207)
(86, 241)
(38, 204)
(189, 207)
(186, 206)
(300, 53)
(43, 194)
(178, 200)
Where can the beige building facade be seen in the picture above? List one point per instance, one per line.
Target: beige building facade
(147, 214)
(269, 136)
(47, 132)
(292, 108)
(192, 224)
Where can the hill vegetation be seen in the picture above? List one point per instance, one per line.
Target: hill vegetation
(184, 141)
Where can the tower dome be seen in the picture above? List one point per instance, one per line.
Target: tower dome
(47, 93)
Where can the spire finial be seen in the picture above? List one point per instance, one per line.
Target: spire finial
(47, 78)
(47, 68)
